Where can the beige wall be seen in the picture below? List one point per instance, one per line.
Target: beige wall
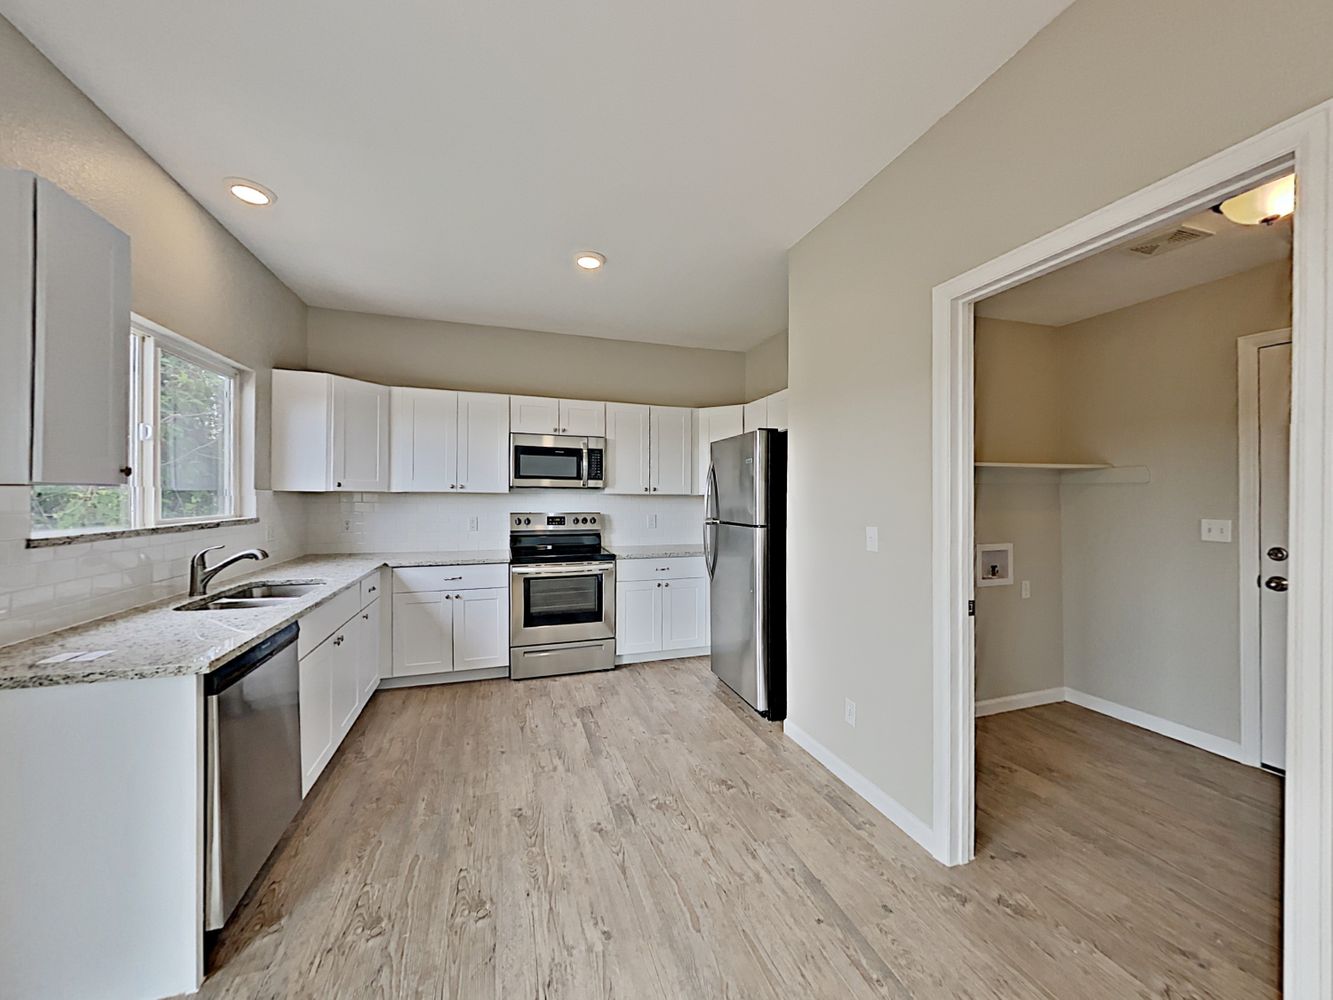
(190, 274)
(1143, 613)
(1110, 97)
(766, 367)
(1150, 610)
(432, 354)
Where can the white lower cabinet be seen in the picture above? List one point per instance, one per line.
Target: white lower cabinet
(638, 617)
(337, 677)
(438, 631)
(660, 615)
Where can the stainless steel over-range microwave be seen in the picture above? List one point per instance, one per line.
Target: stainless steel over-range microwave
(556, 461)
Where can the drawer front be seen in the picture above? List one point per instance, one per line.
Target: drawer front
(371, 587)
(417, 579)
(323, 621)
(636, 570)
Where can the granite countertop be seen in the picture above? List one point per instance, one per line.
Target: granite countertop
(155, 640)
(656, 551)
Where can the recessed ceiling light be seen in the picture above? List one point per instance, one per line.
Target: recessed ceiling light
(590, 260)
(250, 192)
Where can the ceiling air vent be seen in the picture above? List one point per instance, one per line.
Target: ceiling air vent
(1172, 239)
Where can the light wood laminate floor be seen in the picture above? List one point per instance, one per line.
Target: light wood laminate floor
(642, 834)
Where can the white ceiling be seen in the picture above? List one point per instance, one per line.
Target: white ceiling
(1116, 278)
(446, 159)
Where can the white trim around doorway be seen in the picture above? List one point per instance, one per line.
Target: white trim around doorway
(1302, 142)
(1247, 531)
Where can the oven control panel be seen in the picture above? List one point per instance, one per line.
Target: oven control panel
(581, 521)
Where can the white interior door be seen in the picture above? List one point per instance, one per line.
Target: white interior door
(1274, 453)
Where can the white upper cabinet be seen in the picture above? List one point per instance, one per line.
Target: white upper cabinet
(713, 423)
(539, 415)
(583, 417)
(671, 449)
(64, 337)
(444, 441)
(534, 415)
(756, 414)
(771, 411)
(329, 433)
(423, 440)
(360, 436)
(483, 442)
(777, 410)
(628, 428)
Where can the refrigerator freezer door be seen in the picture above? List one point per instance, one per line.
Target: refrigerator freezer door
(738, 611)
(738, 480)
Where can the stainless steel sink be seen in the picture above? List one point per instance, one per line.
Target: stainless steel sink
(252, 595)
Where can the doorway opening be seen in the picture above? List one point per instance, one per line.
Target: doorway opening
(1300, 145)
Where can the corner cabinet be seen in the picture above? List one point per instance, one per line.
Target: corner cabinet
(443, 441)
(651, 449)
(64, 336)
(712, 423)
(330, 433)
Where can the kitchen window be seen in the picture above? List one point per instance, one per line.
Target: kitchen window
(185, 445)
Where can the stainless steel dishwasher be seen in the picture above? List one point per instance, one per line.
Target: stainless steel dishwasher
(252, 767)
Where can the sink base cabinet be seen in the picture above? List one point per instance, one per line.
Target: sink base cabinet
(337, 678)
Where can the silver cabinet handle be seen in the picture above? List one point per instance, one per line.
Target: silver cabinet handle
(365, 618)
(1277, 583)
(458, 597)
(372, 590)
(1277, 553)
(448, 597)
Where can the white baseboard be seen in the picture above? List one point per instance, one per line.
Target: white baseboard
(892, 810)
(1013, 702)
(1194, 737)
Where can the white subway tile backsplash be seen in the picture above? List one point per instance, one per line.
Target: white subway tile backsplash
(50, 588)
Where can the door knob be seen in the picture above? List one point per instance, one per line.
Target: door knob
(1278, 583)
(1277, 553)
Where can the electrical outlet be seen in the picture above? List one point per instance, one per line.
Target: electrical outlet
(872, 539)
(347, 526)
(474, 524)
(1027, 589)
(849, 712)
(1214, 531)
(652, 520)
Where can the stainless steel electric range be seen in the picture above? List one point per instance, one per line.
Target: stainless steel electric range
(562, 617)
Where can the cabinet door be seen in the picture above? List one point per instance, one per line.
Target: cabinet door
(481, 628)
(756, 414)
(368, 666)
(713, 424)
(423, 440)
(81, 346)
(423, 633)
(315, 698)
(360, 436)
(583, 417)
(627, 445)
(672, 449)
(638, 617)
(347, 643)
(684, 614)
(483, 442)
(534, 415)
(777, 410)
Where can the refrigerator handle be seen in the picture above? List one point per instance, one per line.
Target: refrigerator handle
(710, 495)
(710, 550)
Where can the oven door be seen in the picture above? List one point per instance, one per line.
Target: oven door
(548, 461)
(562, 602)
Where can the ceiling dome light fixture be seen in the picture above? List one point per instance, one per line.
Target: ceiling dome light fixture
(1264, 205)
(590, 260)
(250, 192)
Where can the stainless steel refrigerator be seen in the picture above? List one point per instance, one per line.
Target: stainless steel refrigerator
(745, 548)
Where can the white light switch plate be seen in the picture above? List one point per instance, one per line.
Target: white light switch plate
(1214, 531)
(872, 539)
(1027, 589)
(849, 712)
(652, 520)
(474, 524)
